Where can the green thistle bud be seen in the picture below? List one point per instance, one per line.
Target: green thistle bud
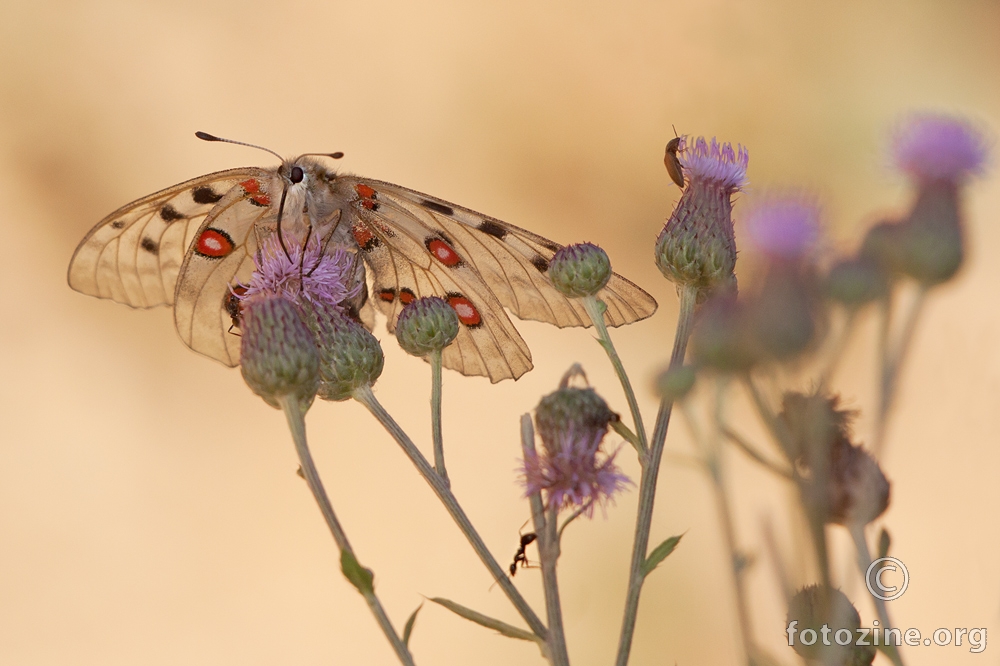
(675, 383)
(571, 410)
(278, 355)
(883, 245)
(350, 356)
(856, 282)
(580, 270)
(933, 247)
(426, 325)
(815, 615)
(721, 338)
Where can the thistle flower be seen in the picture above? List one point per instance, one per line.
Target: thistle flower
(939, 153)
(580, 270)
(856, 281)
(697, 246)
(426, 325)
(278, 355)
(859, 491)
(784, 226)
(571, 467)
(304, 276)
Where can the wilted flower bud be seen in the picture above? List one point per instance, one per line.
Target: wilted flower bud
(859, 491)
(814, 423)
(571, 468)
(721, 338)
(580, 270)
(855, 282)
(822, 625)
(675, 383)
(350, 356)
(278, 354)
(697, 246)
(426, 325)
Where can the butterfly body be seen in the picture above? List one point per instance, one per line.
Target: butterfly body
(192, 245)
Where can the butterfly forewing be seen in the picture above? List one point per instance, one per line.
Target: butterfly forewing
(134, 255)
(221, 256)
(512, 261)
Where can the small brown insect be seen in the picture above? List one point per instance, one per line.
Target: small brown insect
(672, 163)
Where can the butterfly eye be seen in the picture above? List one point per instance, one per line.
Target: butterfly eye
(297, 174)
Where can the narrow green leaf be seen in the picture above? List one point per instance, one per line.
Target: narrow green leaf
(486, 621)
(660, 553)
(359, 577)
(408, 629)
(883, 543)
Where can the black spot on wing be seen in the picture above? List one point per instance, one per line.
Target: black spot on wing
(118, 224)
(205, 195)
(549, 245)
(149, 245)
(438, 207)
(541, 263)
(170, 214)
(493, 229)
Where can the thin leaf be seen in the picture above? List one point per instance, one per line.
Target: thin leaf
(486, 621)
(660, 553)
(359, 577)
(408, 629)
(883, 543)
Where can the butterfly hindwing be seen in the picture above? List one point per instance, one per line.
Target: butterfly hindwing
(134, 255)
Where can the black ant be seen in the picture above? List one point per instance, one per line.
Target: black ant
(519, 556)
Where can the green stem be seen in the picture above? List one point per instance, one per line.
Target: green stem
(548, 551)
(647, 483)
(295, 415)
(367, 398)
(864, 562)
(837, 350)
(892, 360)
(596, 311)
(436, 416)
(751, 451)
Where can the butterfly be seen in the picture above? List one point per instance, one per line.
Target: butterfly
(192, 246)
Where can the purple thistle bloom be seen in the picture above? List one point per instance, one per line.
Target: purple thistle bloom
(934, 147)
(714, 162)
(573, 471)
(318, 278)
(785, 226)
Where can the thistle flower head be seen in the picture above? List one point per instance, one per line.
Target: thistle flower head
(856, 281)
(303, 276)
(350, 356)
(784, 226)
(571, 468)
(426, 325)
(580, 270)
(697, 246)
(278, 355)
(859, 491)
(936, 147)
(824, 611)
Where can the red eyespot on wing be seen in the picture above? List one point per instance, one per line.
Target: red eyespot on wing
(252, 186)
(387, 295)
(213, 243)
(363, 235)
(364, 191)
(443, 252)
(406, 296)
(466, 311)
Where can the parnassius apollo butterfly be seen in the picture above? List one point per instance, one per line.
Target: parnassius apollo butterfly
(191, 244)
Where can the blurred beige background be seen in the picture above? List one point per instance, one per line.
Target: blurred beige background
(149, 507)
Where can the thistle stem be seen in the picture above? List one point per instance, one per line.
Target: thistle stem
(436, 416)
(365, 396)
(647, 482)
(295, 415)
(548, 550)
(892, 357)
(595, 309)
(864, 562)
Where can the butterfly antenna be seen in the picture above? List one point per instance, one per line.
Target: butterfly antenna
(335, 156)
(205, 136)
